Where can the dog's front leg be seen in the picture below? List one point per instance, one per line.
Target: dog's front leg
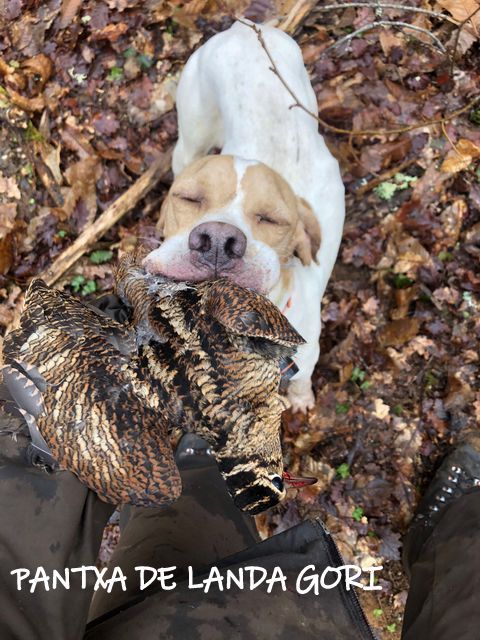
(300, 392)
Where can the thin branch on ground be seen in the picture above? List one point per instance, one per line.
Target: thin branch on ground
(384, 23)
(353, 132)
(452, 144)
(457, 38)
(386, 175)
(108, 218)
(387, 5)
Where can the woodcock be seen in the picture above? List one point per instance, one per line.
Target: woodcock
(100, 397)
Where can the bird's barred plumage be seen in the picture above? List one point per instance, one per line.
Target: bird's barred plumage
(105, 395)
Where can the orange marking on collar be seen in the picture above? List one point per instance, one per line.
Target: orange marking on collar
(288, 305)
(287, 368)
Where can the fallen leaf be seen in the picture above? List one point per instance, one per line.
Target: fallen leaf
(6, 254)
(50, 154)
(39, 65)
(8, 213)
(68, 11)
(111, 32)
(461, 157)
(381, 410)
(398, 332)
(9, 187)
(27, 104)
(460, 10)
(82, 177)
(388, 40)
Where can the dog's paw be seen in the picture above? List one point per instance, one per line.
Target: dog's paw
(300, 396)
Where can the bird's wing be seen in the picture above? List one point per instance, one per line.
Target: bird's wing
(245, 312)
(71, 374)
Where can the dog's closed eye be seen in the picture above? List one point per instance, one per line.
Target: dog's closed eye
(264, 218)
(186, 197)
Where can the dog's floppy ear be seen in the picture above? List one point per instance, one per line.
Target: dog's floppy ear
(308, 235)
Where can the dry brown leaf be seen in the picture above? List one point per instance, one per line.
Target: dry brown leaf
(452, 219)
(6, 254)
(460, 10)
(398, 332)
(40, 65)
(388, 40)
(410, 254)
(459, 393)
(27, 104)
(461, 157)
(51, 157)
(8, 213)
(82, 177)
(403, 300)
(68, 11)
(111, 32)
(9, 187)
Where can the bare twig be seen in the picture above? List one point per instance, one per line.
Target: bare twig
(457, 38)
(384, 23)
(452, 144)
(108, 218)
(353, 132)
(386, 175)
(386, 5)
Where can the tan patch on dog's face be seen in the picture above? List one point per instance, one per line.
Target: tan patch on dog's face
(207, 185)
(252, 200)
(270, 209)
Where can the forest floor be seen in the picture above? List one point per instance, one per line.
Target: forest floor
(87, 104)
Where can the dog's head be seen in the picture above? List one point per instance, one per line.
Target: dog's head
(233, 218)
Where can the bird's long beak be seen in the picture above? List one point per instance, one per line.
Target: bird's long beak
(297, 482)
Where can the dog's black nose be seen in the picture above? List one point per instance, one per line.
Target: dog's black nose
(217, 243)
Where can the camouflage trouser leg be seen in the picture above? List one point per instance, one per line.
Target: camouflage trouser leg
(201, 529)
(50, 521)
(444, 596)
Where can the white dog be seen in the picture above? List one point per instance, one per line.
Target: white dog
(268, 212)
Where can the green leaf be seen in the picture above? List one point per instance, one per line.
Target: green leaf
(445, 256)
(366, 385)
(116, 73)
(431, 379)
(89, 287)
(62, 233)
(101, 256)
(391, 628)
(357, 375)
(76, 282)
(474, 115)
(145, 61)
(32, 134)
(130, 52)
(357, 514)
(386, 190)
(402, 281)
(377, 613)
(343, 471)
(397, 409)
(14, 63)
(467, 297)
(403, 180)
(341, 409)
